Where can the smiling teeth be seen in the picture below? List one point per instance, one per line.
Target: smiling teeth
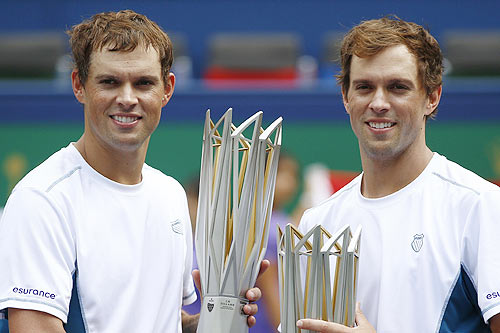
(123, 119)
(380, 125)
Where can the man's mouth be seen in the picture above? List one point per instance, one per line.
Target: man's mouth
(379, 125)
(124, 119)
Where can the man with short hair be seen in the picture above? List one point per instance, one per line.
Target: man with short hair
(430, 259)
(93, 219)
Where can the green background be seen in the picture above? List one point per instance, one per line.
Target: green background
(175, 148)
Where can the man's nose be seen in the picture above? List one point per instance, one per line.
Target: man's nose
(126, 96)
(379, 102)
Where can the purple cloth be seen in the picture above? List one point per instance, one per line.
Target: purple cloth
(194, 308)
(263, 324)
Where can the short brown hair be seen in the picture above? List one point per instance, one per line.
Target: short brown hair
(121, 31)
(370, 37)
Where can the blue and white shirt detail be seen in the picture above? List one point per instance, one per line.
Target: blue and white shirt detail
(123, 251)
(430, 257)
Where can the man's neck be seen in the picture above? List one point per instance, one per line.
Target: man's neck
(382, 177)
(121, 167)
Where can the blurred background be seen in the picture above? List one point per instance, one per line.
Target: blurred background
(251, 55)
(275, 56)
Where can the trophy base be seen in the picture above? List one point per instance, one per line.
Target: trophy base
(222, 314)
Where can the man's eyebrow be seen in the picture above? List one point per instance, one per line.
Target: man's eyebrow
(105, 76)
(401, 80)
(153, 78)
(364, 81)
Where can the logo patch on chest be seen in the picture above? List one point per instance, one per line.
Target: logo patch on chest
(418, 242)
(177, 226)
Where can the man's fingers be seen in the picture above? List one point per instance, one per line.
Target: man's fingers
(363, 325)
(250, 309)
(264, 265)
(251, 321)
(253, 294)
(321, 326)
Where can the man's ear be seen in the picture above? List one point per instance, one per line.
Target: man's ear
(345, 101)
(169, 89)
(77, 85)
(433, 100)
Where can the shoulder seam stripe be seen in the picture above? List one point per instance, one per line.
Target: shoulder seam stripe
(33, 301)
(490, 307)
(62, 178)
(455, 183)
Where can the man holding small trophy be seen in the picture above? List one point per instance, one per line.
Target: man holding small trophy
(430, 226)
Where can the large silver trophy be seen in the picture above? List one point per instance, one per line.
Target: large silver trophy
(317, 275)
(237, 180)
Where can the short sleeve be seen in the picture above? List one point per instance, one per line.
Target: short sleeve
(482, 252)
(37, 254)
(189, 295)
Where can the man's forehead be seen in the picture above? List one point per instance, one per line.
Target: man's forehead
(400, 50)
(392, 60)
(144, 57)
(112, 48)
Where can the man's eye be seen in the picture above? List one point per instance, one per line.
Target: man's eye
(362, 87)
(145, 83)
(399, 87)
(108, 81)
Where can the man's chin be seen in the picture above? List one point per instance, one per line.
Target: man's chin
(128, 145)
(381, 152)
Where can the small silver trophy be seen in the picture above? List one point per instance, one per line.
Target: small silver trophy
(305, 264)
(237, 180)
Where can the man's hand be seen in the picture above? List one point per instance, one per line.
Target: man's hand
(363, 326)
(253, 295)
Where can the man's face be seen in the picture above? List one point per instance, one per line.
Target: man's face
(387, 104)
(122, 98)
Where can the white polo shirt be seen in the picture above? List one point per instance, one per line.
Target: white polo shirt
(128, 247)
(430, 255)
